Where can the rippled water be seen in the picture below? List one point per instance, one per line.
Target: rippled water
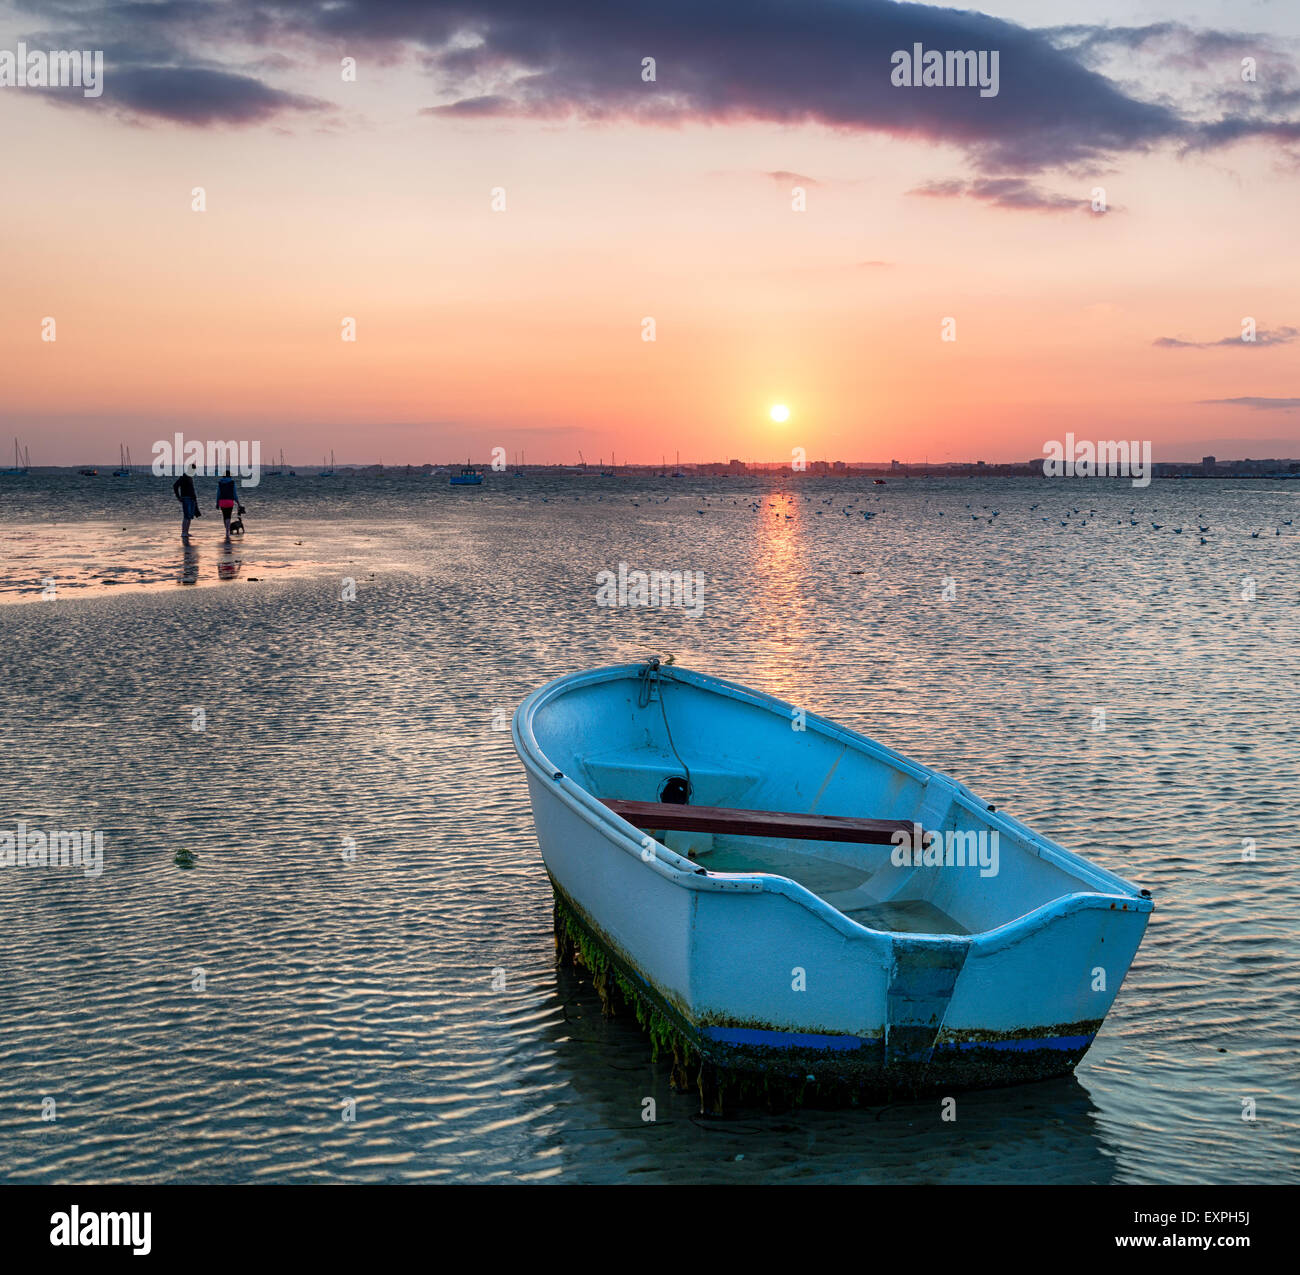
(417, 978)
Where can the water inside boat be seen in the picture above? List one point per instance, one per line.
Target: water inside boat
(846, 887)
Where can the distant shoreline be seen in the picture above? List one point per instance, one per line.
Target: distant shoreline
(1275, 469)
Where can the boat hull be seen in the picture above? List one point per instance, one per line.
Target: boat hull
(750, 982)
(745, 1061)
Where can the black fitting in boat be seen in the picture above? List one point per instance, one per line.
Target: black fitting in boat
(675, 791)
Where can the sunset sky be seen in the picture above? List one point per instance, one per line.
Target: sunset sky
(671, 200)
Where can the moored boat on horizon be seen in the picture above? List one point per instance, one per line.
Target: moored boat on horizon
(803, 910)
(22, 463)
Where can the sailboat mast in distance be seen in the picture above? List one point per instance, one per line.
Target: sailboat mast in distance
(22, 460)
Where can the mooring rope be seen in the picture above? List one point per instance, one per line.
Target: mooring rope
(648, 674)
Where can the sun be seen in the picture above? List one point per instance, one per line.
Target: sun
(779, 413)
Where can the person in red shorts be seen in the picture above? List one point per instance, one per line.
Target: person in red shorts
(228, 499)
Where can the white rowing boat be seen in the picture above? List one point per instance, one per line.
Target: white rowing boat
(820, 913)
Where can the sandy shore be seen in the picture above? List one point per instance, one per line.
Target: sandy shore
(82, 559)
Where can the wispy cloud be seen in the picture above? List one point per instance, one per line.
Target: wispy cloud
(485, 106)
(783, 178)
(1263, 337)
(1255, 402)
(1004, 192)
(1169, 43)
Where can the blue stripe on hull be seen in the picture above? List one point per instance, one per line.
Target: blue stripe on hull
(1066, 1044)
(808, 1040)
(781, 1040)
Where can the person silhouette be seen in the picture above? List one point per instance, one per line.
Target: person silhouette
(183, 490)
(228, 499)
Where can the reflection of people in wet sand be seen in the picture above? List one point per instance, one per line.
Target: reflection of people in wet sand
(228, 566)
(227, 499)
(183, 489)
(189, 564)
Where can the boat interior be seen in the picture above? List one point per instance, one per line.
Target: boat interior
(630, 738)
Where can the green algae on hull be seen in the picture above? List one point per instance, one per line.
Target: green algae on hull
(775, 1078)
(617, 987)
(779, 1077)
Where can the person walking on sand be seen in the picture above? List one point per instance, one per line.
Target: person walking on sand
(183, 489)
(227, 499)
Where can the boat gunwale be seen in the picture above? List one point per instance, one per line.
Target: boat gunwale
(686, 872)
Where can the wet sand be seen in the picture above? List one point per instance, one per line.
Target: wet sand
(85, 559)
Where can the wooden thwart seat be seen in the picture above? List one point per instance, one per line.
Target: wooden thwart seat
(667, 817)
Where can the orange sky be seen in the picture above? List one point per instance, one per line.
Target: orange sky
(522, 328)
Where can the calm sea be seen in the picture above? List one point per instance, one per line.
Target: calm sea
(367, 920)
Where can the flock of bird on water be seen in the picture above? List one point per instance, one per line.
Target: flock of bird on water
(849, 511)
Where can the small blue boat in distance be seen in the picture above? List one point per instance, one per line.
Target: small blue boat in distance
(795, 910)
(468, 477)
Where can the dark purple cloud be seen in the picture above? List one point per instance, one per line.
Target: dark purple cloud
(814, 61)
(164, 61)
(1286, 133)
(789, 62)
(200, 97)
